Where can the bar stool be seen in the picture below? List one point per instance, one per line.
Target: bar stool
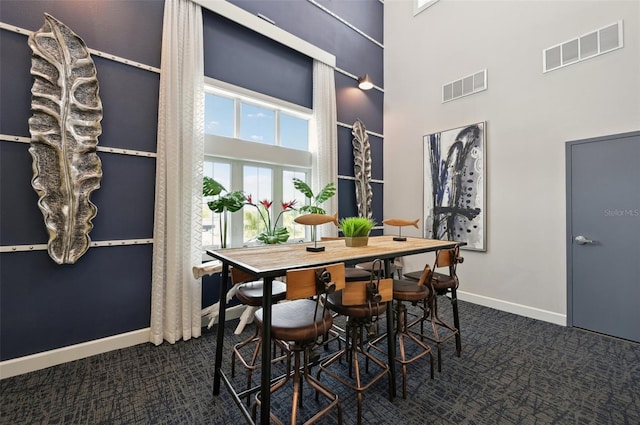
(361, 302)
(300, 323)
(413, 292)
(442, 285)
(350, 273)
(250, 292)
(368, 266)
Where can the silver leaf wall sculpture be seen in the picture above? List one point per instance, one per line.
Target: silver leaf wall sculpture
(64, 126)
(362, 169)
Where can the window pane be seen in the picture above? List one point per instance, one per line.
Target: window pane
(294, 132)
(218, 115)
(257, 124)
(257, 183)
(290, 193)
(220, 172)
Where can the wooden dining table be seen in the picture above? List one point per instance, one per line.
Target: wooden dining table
(267, 262)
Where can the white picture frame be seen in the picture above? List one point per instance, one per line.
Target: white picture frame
(455, 186)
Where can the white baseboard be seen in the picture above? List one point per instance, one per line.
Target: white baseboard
(519, 309)
(26, 364)
(232, 313)
(33, 362)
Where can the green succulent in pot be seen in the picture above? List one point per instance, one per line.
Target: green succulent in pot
(356, 230)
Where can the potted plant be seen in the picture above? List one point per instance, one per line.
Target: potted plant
(315, 200)
(222, 204)
(356, 230)
(272, 232)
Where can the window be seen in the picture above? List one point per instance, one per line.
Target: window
(219, 115)
(238, 116)
(257, 124)
(256, 145)
(294, 132)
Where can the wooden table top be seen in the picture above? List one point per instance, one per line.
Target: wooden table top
(275, 260)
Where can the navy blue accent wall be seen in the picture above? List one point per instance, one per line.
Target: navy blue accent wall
(348, 206)
(356, 54)
(15, 93)
(345, 154)
(44, 306)
(238, 55)
(129, 29)
(353, 104)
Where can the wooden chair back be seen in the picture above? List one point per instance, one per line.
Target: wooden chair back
(239, 276)
(425, 277)
(449, 258)
(301, 283)
(355, 293)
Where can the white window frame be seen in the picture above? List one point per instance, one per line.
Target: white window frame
(239, 152)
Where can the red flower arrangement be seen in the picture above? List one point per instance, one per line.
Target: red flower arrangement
(272, 233)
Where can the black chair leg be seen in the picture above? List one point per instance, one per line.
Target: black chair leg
(456, 320)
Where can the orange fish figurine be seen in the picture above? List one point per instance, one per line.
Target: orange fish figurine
(316, 219)
(401, 222)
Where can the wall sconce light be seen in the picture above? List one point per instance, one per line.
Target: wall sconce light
(365, 82)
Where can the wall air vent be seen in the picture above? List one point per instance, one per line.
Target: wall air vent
(465, 86)
(587, 46)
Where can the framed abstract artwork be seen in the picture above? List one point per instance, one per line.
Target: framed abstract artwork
(454, 186)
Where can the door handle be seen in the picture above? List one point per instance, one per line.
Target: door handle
(582, 240)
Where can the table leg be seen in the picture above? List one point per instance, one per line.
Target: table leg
(224, 276)
(391, 337)
(265, 383)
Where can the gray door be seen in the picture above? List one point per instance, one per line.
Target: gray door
(603, 235)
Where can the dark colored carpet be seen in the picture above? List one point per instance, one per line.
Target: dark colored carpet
(513, 370)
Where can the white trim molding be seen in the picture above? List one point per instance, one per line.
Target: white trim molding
(266, 28)
(94, 52)
(31, 363)
(519, 309)
(342, 124)
(93, 244)
(21, 139)
(347, 23)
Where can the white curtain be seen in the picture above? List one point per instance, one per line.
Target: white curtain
(324, 138)
(175, 294)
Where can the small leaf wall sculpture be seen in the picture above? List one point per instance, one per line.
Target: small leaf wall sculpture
(64, 126)
(362, 169)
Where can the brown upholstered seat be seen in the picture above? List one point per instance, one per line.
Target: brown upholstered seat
(404, 290)
(355, 274)
(300, 321)
(352, 273)
(368, 266)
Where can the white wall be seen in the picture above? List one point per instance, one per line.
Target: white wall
(529, 117)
